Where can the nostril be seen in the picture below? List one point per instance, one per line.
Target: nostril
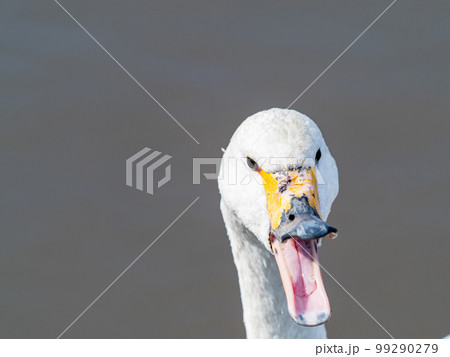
(291, 217)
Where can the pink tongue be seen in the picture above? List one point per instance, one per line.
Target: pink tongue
(297, 261)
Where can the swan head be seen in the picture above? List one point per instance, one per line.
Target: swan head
(279, 180)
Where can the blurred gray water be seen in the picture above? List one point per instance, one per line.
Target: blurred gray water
(70, 117)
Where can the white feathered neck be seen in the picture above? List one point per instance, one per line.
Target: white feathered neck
(263, 298)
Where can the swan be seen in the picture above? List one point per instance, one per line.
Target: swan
(277, 182)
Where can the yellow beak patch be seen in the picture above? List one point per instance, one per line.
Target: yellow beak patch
(281, 187)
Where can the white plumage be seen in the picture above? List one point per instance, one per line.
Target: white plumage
(276, 139)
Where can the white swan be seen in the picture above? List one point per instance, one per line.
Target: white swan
(278, 180)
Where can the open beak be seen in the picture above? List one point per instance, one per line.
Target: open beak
(296, 226)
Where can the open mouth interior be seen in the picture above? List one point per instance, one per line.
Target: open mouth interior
(298, 263)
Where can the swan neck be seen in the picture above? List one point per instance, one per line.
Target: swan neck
(262, 294)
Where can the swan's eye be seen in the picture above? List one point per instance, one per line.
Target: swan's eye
(318, 155)
(252, 164)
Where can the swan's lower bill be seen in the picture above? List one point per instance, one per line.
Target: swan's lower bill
(298, 263)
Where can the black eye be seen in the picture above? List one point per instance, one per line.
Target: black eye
(318, 155)
(252, 164)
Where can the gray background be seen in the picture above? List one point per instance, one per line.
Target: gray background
(70, 117)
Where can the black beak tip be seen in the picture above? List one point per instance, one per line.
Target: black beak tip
(313, 229)
(309, 229)
(302, 221)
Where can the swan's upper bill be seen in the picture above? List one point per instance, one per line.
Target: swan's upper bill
(278, 181)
